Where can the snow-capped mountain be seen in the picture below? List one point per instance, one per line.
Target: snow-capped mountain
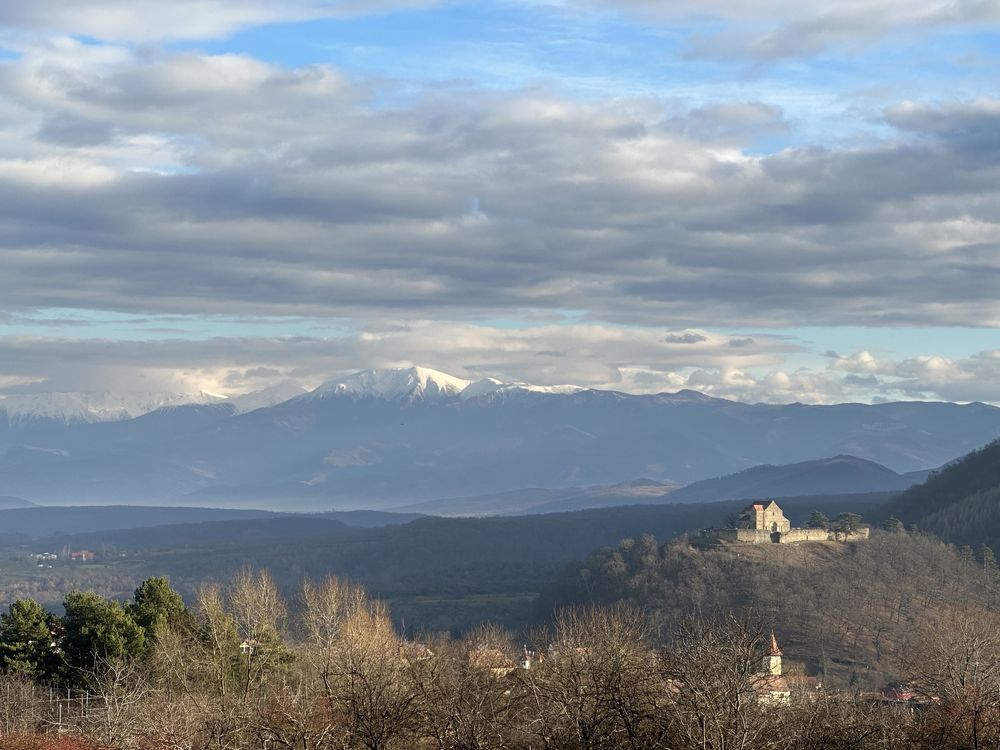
(94, 407)
(393, 384)
(423, 383)
(408, 384)
(390, 437)
(492, 387)
(83, 407)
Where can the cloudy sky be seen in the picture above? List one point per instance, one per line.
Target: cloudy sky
(765, 200)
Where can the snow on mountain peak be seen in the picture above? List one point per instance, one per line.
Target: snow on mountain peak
(72, 407)
(270, 396)
(491, 386)
(393, 384)
(424, 383)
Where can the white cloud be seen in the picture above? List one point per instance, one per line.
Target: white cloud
(630, 359)
(157, 21)
(156, 183)
(200, 183)
(760, 29)
(974, 378)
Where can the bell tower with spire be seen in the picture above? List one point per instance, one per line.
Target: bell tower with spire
(772, 659)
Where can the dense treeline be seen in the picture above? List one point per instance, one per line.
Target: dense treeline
(237, 672)
(846, 610)
(957, 503)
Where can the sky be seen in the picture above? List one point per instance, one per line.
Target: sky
(762, 200)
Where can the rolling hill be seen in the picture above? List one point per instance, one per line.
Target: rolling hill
(826, 476)
(7, 502)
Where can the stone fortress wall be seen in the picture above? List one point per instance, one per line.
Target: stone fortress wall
(762, 536)
(765, 523)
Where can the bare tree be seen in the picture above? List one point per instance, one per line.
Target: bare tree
(468, 699)
(714, 672)
(358, 660)
(21, 704)
(117, 707)
(593, 689)
(259, 613)
(955, 661)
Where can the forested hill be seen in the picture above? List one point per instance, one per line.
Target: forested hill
(960, 503)
(436, 573)
(848, 610)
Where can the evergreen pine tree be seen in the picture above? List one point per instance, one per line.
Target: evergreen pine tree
(893, 525)
(818, 520)
(155, 605)
(98, 629)
(25, 641)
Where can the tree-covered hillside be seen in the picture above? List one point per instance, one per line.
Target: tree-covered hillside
(960, 503)
(843, 610)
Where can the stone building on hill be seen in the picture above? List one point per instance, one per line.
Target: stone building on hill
(763, 522)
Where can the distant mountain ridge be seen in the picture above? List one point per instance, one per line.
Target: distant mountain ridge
(839, 475)
(826, 476)
(536, 500)
(391, 438)
(423, 383)
(78, 407)
(72, 407)
(7, 503)
(390, 384)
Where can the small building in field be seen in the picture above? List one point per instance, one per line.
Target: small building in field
(83, 555)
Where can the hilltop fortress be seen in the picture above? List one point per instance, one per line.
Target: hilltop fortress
(764, 522)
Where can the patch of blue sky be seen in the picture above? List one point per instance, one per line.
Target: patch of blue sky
(508, 46)
(898, 343)
(492, 44)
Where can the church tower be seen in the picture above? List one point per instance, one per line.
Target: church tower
(772, 659)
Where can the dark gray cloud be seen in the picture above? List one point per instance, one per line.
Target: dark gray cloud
(236, 187)
(685, 337)
(735, 122)
(183, 185)
(73, 131)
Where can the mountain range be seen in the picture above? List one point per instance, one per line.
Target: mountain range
(388, 438)
(826, 476)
